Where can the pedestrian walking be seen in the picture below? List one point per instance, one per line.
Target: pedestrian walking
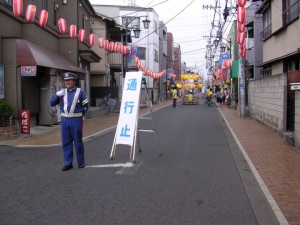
(73, 105)
(174, 96)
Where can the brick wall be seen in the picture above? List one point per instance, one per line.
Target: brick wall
(9, 132)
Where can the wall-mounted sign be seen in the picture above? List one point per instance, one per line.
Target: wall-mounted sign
(28, 71)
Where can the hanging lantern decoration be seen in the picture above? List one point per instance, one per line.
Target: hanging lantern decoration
(241, 27)
(136, 60)
(81, 35)
(242, 46)
(142, 67)
(243, 52)
(119, 49)
(124, 50)
(18, 7)
(139, 65)
(106, 45)
(241, 13)
(241, 3)
(229, 63)
(100, 42)
(116, 47)
(73, 31)
(145, 70)
(43, 18)
(62, 25)
(111, 46)
(92, 39)
(225, 63)
(30, 13)
(241, 38)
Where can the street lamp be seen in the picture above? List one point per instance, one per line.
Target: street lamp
(136, 31)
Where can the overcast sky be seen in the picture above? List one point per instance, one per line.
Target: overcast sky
(189, 27)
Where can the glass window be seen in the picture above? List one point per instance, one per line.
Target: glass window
(141, 53)
(8, 2)
(155, 55)
(45, 4)
(267, 24)
(292, 11)
(131, 22)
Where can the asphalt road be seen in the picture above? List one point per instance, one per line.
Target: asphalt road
(201, 179)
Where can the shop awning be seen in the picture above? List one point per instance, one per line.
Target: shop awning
(30, 54)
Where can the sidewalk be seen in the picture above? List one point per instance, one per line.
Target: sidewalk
(275, 164)
(51, 136)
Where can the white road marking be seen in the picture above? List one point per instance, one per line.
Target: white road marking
(123, 165)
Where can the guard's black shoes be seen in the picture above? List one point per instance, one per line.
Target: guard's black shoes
(81, 166)
(67, 167)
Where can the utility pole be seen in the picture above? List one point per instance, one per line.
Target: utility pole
(242, 86)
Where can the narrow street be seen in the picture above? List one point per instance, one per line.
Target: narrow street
(201, 178)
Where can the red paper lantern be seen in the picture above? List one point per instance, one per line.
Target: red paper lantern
(81, 35)
(241, 38)
(92, 39)
(106, 45)
(43, 18)
(225, 63)
(241, 13)
(116, 47)
(73, 31)
(119, 49)
(229, 63)
(241, 27)
(111, 46)
(30, 13)
(18, 7)
(243, 52)
(124, 50)
(241, 3)
(136, 60)
(62, 25)
(100, 42)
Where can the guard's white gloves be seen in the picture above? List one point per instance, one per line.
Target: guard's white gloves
(60, 93)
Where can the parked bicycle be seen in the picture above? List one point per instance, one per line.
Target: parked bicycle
(110, 104)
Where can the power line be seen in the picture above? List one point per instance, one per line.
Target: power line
(166, 22)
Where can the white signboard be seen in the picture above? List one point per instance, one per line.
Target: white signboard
(129, 109)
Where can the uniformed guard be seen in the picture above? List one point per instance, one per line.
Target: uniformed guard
(73, 106)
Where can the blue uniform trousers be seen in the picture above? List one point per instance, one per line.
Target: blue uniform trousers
(71, 131)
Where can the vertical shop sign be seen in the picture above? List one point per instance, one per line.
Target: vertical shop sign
(25, 121)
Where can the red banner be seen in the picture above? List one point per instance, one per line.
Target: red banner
(25, 121)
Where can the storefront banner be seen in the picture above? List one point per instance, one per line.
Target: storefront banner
(28, 71)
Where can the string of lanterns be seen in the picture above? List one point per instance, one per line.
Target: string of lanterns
(105, 44)
(189, 81)
(241, 25)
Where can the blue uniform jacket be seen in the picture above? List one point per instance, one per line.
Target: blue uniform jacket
(81, 106)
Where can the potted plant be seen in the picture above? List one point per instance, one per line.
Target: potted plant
(6, 112)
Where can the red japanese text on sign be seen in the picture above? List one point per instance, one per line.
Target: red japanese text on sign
(25, 121)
